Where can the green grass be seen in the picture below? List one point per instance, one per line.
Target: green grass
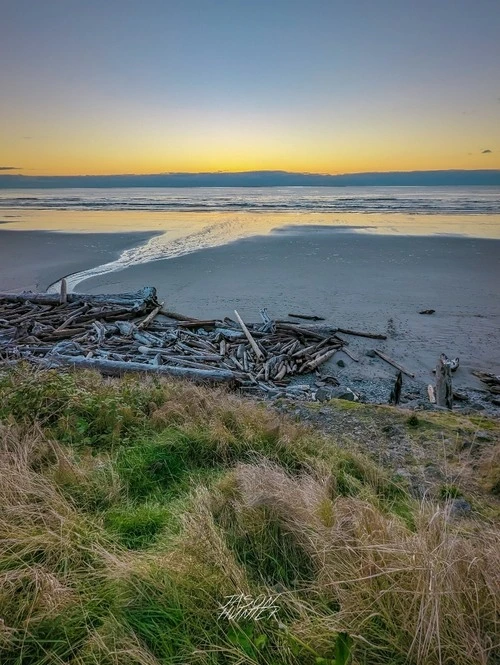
(449, 492)
(131, 510)
(137, 527)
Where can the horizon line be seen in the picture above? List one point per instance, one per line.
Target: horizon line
(245, 179)
(239, 172)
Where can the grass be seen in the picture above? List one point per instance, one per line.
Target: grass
(131, 510)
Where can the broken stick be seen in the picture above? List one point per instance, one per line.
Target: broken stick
(258, 353)
(392, 362)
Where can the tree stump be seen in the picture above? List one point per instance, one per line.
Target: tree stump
(444, 389)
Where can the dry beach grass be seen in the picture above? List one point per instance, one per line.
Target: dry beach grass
(130, 510)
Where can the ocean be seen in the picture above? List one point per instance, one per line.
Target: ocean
(411, 200)
(185, 220)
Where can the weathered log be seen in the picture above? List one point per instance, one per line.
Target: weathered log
(115, 368)
(347, 331)
(180, 360)
(258, 353)
(294, 347)
(28, 349)
(350, 354)
(281, 372)
(229, 334)
(61, 334)
(167, 353)
(104, 314)
(444, 390)
(392, 362)
(80, 311)
(150, 317)
(301, 330)
(32, 313)
(176, 316)
(136, 301)
(307, 317)
(237, 363)
(206, 323)
(304, 351)
(63, 295)
(203, 344)
(317, 361)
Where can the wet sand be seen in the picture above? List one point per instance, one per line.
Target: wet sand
(368, 282)
(32, 260)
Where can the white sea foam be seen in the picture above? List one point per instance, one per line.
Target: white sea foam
(158, 248)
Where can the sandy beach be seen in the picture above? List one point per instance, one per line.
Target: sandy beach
(31, 260)
(377, 283)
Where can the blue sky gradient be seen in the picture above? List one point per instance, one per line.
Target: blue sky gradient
(194, 85)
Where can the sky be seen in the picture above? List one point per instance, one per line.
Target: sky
(326, 86)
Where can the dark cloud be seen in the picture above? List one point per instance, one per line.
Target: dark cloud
(10, 168)
(486, 152)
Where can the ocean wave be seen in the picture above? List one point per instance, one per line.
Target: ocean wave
(425, 200)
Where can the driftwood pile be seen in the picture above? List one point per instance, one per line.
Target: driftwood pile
(132, 333)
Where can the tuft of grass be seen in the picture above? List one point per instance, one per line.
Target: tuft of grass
(137, 527)
(413, 421)
(449, 491)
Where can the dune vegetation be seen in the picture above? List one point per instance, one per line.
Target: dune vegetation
(132, 511)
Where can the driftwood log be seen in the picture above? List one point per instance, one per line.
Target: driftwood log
(135, 301)
(359, 333)
(307, 317)
(392, 362)
(114, 368)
